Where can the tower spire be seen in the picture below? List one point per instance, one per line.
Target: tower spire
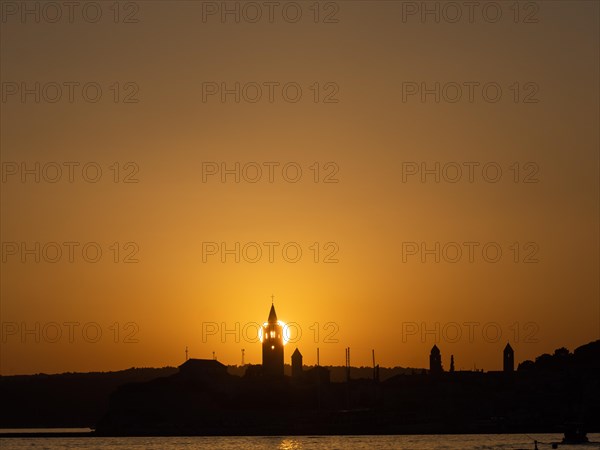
(272, 315)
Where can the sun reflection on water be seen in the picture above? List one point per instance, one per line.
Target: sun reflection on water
(290, 444)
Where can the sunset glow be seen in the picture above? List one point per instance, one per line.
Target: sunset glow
(287, 333)
(388, 180)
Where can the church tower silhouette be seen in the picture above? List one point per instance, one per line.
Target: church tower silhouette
(272, 346)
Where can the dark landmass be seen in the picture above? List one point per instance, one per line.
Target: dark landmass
(67, 400)
(77, 400)
(204, 397)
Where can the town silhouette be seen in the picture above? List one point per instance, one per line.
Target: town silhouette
(554, 393)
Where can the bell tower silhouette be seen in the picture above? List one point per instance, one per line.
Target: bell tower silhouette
(435, 361)
(272, 346)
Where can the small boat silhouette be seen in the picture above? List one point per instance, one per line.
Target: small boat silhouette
(575, 435)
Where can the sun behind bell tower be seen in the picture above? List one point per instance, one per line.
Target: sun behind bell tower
(272, 346)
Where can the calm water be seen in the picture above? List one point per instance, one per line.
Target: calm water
(455, 442)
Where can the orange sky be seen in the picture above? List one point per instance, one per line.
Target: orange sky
(366, 130)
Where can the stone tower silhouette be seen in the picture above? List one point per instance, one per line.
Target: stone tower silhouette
(435, 360)
(509, 359)
(296, 364)
(272, 346)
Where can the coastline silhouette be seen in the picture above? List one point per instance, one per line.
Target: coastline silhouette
(554, 393)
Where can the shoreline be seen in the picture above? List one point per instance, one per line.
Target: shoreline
(93, 434)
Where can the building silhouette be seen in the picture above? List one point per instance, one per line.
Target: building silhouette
(272, 346)
(202, 368)
(296, 364)
(435, 361)
(509, 359)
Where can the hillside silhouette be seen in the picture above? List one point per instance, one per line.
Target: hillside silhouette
(67, 400)
(74, 400)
